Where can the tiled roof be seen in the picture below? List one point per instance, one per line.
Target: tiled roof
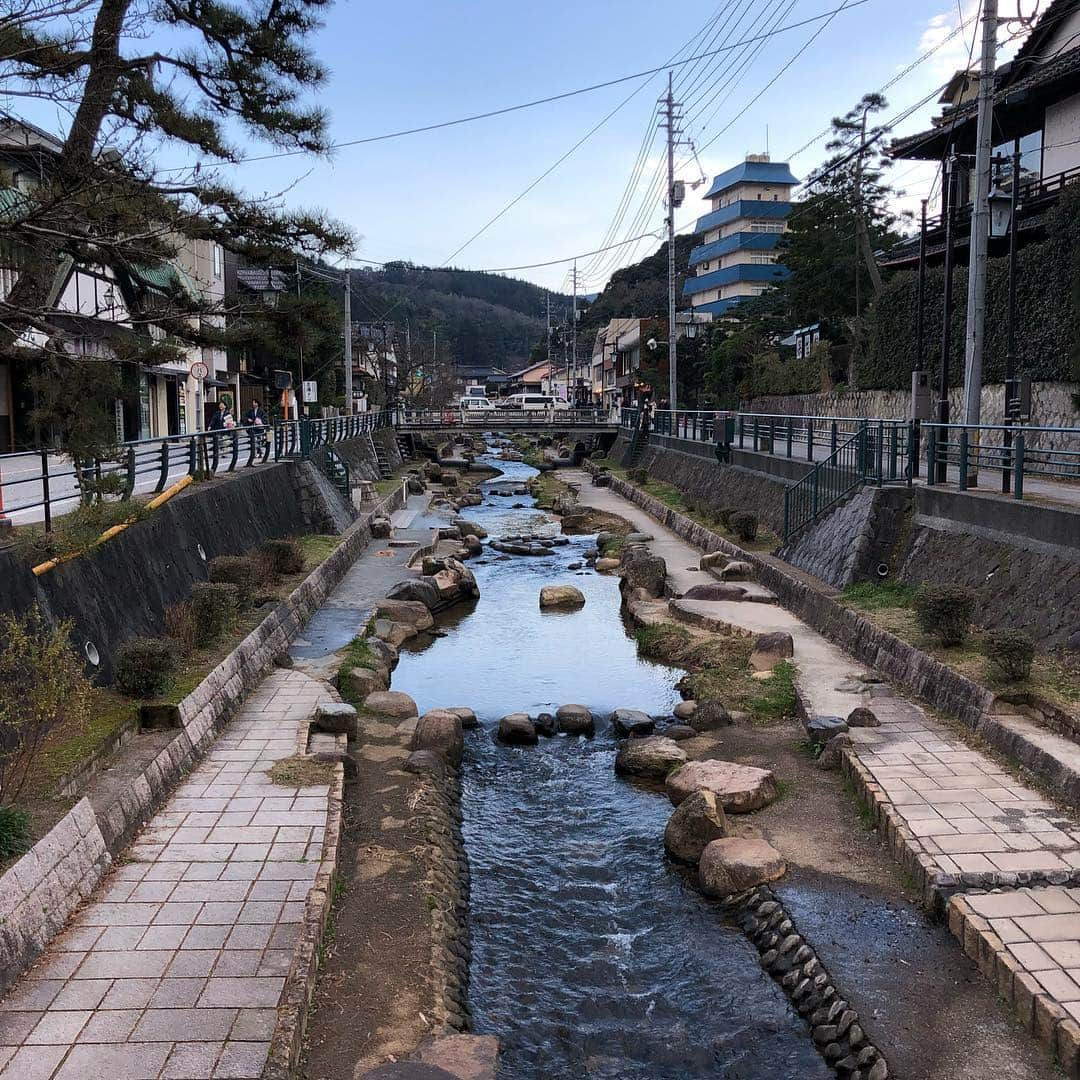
(752, 172)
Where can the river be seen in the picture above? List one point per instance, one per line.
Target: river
(593, 955)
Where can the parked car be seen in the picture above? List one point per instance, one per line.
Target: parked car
(475, 407)
(534, 403)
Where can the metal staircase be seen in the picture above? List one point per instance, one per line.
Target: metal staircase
(380, 456)
(338, 471)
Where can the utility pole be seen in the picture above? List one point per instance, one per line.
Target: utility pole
(573, 335)
(980, 230)
(408, 357)
(550, 367)
(300, 409)
(949, 189)
(348, 344)
(670, 129)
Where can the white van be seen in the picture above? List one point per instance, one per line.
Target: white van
(475, 407)
(534, 403)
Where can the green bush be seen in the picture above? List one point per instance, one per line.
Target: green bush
(214, 605)
(744, 524)
(43, 686)
(944, 611)
(726, 513)
(284, 556)
(1009, 654)
(144, 667)
(637, 476)
(239, 570)
(15, 835)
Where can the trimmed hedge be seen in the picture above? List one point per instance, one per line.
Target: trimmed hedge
(144, 667)
(1009, 654)
(944, 611)
(213, 607)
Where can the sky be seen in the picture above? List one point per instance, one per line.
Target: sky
(424, 196)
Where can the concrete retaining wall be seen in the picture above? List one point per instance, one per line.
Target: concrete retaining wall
(39, 893)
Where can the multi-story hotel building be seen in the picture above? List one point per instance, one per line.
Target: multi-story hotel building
(737, 254)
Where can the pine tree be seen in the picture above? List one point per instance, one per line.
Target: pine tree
(139, 79)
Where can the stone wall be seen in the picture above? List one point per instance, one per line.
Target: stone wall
(1051, 406)
(122, 588)
(40, 891)
(711, 484)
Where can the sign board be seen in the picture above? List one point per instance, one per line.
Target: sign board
(309, 391)
(199, 370)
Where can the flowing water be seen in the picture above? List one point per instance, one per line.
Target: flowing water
(593, 955)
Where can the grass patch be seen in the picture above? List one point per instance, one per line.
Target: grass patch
(76, 531)
(317, 548)
(357, 654)
(662, 641)
(1055, 678)
(775, 698)
(16, 836)
(545, 488)
(301, 772)
(878, 595)
(862, 807)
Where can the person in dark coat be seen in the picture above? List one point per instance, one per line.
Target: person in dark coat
(255, 416)
(217, 421)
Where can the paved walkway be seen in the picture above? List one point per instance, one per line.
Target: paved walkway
(175, 968)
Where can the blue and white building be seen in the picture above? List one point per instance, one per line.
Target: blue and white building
(737, 254)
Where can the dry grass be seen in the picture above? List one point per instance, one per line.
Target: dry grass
(301, 772)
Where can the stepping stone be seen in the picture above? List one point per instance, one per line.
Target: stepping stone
(652, 758)
(740, 789)
(696, 823)
(632, 722)
(734, 864)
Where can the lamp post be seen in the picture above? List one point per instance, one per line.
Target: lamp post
(946, 332)
(1003, 222)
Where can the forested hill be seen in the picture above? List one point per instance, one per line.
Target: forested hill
(641, 290)
(480, 319)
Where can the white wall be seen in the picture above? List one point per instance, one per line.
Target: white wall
(1061, 135)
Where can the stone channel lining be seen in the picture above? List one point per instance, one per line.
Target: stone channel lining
(41, 890)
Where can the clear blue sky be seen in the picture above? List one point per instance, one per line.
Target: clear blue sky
(401, 65)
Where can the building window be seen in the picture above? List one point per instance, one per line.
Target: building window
(763, 259)
(217, 260)
(767, 226)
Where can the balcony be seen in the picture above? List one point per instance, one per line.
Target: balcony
(767, 272)
(742, 208)
(740, 241)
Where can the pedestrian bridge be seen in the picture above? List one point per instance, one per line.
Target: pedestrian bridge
(579, 421)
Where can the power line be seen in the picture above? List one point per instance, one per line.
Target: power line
(647, 73)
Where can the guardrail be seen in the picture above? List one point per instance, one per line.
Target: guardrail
(434, 419)
(44, 483)
(954, 453)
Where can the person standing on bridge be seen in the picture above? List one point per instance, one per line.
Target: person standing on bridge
(217, 421)
(255, 416)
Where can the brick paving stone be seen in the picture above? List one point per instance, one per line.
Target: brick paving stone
(174, 969)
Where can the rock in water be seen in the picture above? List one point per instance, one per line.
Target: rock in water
(695, 823)
(574, 720)
(390, 703)
(411, 612)
(685, 709)
(651, 758)
(734, 864)
(561, 596)
(606, 565)
(770, 649)
(517, 730)
(440, 730)
(632, 722)
(466, 716)
(642, 570)
(738, 788)
(544, 724)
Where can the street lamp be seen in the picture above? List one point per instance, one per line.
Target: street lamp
(1001, 207)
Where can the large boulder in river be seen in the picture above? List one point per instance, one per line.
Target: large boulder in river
(440, 730)
(561, 596)
(574, 720)
(466, 716)
(411, 612)
(421, 589)
(390, 703)
(651, 758)
(605, 565)
(632, 722)
(361, 681)
(770, 649)
(393, 632)
(738, 788)
(385, 653)
(642, 570)
(735, 864)
(517, 730)
(469, 528)
(694, 824)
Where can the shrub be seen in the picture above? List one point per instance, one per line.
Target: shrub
(15, 835)
(144, 667)
(180, 627)
(213, 608)
(744, 524)
(239, 570)
(284, 556)
(726, 513)
(637, 475)
(42, 686)
(1009, 654)
(944, 611)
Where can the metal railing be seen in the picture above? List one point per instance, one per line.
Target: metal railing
(432, 419)
(956, 453)
(39, 485)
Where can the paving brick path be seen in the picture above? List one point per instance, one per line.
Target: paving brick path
(175, 968)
